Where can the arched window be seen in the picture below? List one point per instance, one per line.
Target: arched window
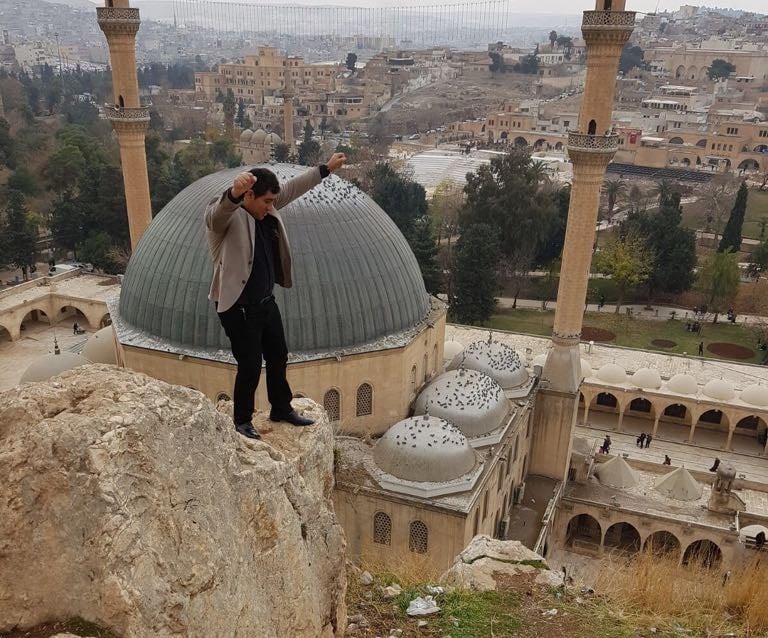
(426, 367)
(434, 359)
(382, 529)
(418, 538)
(364, 400)
(332, 404)
(413, 378)
(592, 129)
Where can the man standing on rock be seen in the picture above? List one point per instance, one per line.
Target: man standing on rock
(250, 255)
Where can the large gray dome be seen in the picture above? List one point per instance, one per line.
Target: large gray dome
(355, 279)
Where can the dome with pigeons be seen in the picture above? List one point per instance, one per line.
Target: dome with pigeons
(497, 360)
(468, 399)
(425, 449)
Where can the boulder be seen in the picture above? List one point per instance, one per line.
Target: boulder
(134, 504)
(478, 565)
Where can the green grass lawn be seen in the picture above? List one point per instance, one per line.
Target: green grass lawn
(694, 215)
(635, 333)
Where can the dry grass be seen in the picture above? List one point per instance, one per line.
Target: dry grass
(657, 591)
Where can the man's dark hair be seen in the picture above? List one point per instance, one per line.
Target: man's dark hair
(266, 180)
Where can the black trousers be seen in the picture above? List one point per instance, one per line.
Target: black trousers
(256, 333)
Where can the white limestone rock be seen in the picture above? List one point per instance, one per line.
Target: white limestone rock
(164, 522)
(478, 564)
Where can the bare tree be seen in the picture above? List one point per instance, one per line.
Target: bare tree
(718, 194)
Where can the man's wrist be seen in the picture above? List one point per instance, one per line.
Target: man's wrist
(232, 198)
(324, 170)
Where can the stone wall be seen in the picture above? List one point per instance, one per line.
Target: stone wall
(133, 503)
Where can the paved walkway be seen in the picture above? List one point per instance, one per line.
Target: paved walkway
(639, 311)
(693, 457)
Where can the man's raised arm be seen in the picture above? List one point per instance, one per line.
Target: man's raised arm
(296, 187)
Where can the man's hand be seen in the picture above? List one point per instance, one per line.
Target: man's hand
(242, 184)
(336, 162)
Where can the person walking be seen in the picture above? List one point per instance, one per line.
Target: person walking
(701, 348)
(639, 440)
(648, 440)
(606, 444)
(667, 460)
(250, 254)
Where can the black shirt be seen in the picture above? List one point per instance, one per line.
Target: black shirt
(261, 281)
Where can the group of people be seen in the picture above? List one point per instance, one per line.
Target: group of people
(605, 448)
(644, 440)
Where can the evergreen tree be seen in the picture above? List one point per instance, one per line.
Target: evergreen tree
(19, 237)
(402, 199)
(282, 152)
(309, 149)
(97, 250)
(67, 221)
(474, 281)
(731, 239)
(424, 248)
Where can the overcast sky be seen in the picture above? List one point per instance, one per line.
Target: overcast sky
(528, 6)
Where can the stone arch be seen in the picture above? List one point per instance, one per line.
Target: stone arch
(677, 411)
(79, 315)
(605, 400)
(760, 148)
(106, 320)
(663, 543)
(702, 143)
(749, 165)
(5, 334)
(752, 422)
(33, 314)
(714, 417)
(641, 405)
(382, 528)
(622, 537)
(686, 162)
(539, 144)
(521, 142)
(676, 140)
(592, 127)
(418, 537)
(559, 146)
(703, 553)
(504, 135)
(693, 73)
(583, 530)
(680, 72)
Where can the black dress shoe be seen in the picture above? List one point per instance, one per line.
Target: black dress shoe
(293, 417)
(246, 429)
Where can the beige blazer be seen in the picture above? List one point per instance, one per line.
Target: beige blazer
(230, 230)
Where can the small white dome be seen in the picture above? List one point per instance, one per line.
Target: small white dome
(101, 347)
(245, 136)
(646, 378)
(424, 449)
(682, 384)
(468, 399)
(586, 369)
(497, 360)
(451, 349)
(755, 395)
(719, 389)
(50, 365)
(612, 373)
(258, 136)
(272, 138)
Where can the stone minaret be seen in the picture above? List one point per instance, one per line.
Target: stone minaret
(590, 149)
(288, 93)
(120, 23)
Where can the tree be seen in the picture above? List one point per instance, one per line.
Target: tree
(663, 190)
(19, 237)
(763, 222)
(720, 69)
(282, 152)
(240, 117)
(309, 149)
(497, 62)
(7, 145)
(230, 108)
(528, 64)
(731, 239)
(196, 159)
(566, 44)
(631, 57)
(474, 280)
(67, 221)
(717, 195)
(23, 181)
(719, 281)
(351, 61)
(401, 198)
(552, 39)
(65, 168)
(97, 250)
(636, 199)
(672, 246)
(424, 249)
(627, 262)
(614, 189)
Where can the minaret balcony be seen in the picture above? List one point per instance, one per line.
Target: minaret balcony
(128, 120)
(598, 144)
(118, 21)
(611, 19)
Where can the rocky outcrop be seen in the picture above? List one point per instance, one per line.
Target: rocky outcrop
(484, 559)
(132, 503)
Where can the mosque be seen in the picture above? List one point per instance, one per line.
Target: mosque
(445, 432)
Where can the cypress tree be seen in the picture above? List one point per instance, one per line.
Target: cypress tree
(731, 239)
(424, 248)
